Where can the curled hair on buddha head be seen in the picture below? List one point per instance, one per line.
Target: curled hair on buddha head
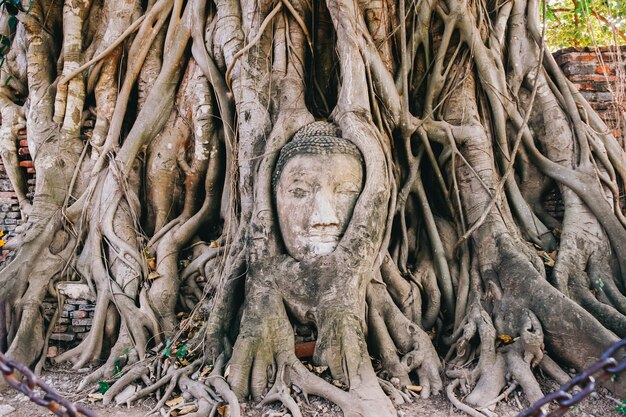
(317, 138)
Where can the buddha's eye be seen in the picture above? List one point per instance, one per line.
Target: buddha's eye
(347, 189)
(299, 192)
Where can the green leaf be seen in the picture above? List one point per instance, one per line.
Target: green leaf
(181, 352)
(12, 22)
(167, 351)
(103, 387)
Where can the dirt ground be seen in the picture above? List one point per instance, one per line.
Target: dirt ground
(600, 404)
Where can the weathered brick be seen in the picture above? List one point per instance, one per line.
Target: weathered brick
(63, 337)
(79, 315)
(59, 328)
(52, 351)
(87, 307)
(26, 164)
(79, 329)
(82, 322)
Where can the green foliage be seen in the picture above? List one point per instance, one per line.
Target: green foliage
(621, 408)
(585, 22)
(167, 351)
(181, 352)
(103, 387)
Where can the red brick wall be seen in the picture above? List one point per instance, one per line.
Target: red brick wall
(10, 216)
(600, 76)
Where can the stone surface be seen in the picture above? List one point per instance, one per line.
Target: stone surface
(6, 409)
(76, 291)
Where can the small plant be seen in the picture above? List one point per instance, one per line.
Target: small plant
(621, 407)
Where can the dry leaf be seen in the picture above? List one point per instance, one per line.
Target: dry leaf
(96, 396)
(505, 338)
(174, 401)
(339, 384)
(214, 244)
(152, 264)
(223, 410)
(414, 388)
(153, 275)
(186, 409)
(206, 371)
(547, 258)
(319, 369)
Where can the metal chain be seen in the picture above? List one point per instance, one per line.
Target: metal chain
(607, 367)
(38, 391)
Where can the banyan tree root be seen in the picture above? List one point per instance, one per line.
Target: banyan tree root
(460, 121)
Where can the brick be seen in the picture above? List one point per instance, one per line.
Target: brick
(26, 164)
(23, 143)
(62, 337)
(52, 351)
(605, 69)
(8, 194)
(23, 151)
(79, 315)
(9, 221)
(79, 329)
(30, 170)
(82, 322)
(69, 307)
(63, 320)
(59, 328)
(13, 215)
(87, 307)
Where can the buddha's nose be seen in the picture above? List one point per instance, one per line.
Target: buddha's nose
(324, 213)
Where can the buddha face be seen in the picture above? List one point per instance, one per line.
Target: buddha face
(315, 197)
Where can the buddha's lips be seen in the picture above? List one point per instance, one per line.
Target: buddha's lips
(326, 237)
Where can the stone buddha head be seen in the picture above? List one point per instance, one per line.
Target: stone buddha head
(317, 181)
